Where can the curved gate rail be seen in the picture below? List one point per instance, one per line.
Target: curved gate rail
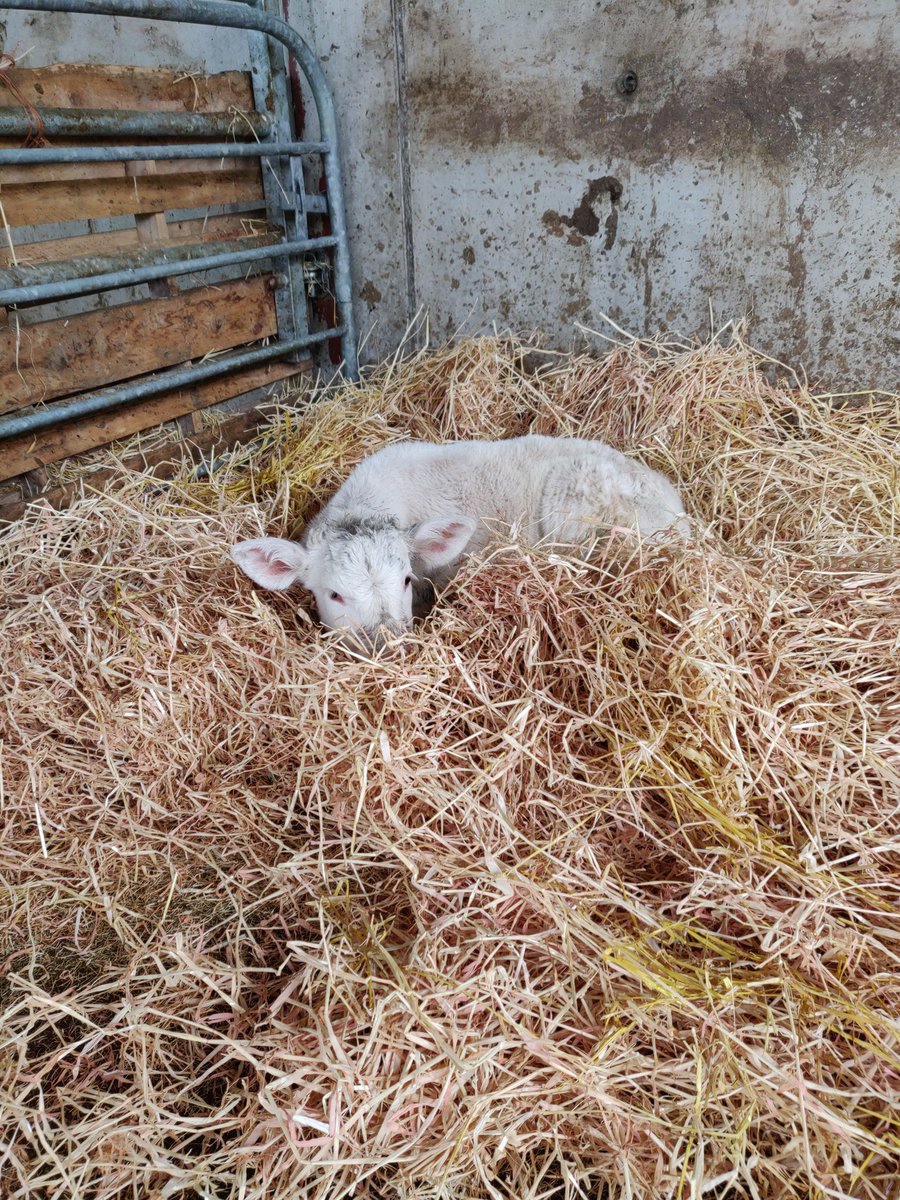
(38, 284)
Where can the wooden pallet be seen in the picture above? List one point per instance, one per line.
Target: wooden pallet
(50, 357)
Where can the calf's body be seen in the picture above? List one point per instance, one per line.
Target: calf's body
(410, 511)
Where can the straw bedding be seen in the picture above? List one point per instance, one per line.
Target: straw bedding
(592, 893)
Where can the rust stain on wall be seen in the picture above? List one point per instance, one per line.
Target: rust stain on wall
(370, 293)
(585, 221)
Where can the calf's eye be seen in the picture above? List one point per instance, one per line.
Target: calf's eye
(336, 597)
(407, 581)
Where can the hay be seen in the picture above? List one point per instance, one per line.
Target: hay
(597, 885)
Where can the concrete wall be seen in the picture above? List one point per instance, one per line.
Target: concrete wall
(752, 169)
(496, 173)
(37, 39)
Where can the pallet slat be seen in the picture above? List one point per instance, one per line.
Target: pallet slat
(38, 173)
(54, 201)
(68, 172)
(93, 349)
(26, 453)
(214, 229)
(74, 85)
(161, 463)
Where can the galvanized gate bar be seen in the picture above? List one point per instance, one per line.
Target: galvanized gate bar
(61, 289)
(236, 15)
(166, 381)
(92, 154)
(113, 122)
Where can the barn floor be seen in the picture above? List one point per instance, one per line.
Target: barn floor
(598, 884)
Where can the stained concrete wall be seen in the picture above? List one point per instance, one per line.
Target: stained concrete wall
(752, 174)
(754, 170)
(496, 173)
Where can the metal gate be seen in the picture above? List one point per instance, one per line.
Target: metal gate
(298, 258)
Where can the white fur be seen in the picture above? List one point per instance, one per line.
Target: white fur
(414, 508)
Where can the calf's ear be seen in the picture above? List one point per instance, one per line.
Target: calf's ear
(441, 540)
(273, 563)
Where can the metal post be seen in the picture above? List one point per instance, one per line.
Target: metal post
(267, 68)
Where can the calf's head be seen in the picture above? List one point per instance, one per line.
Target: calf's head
(360, 570)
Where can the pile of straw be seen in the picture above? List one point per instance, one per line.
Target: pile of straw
(593, 893)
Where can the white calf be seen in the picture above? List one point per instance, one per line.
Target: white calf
(406, 515)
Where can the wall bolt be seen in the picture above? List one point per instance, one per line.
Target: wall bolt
(627, 83)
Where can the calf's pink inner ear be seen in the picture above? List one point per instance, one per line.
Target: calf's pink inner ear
(439, 541)
(274, 565)
(271, 562)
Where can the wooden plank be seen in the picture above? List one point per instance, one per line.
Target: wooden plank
(93, 349)
(82, 199)
(215, 229)
(197, 230)
(75, 85)
(69, 172)
(247, 406)
(31, 451)
(31, 174)
(161, 463)
(33, 483)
